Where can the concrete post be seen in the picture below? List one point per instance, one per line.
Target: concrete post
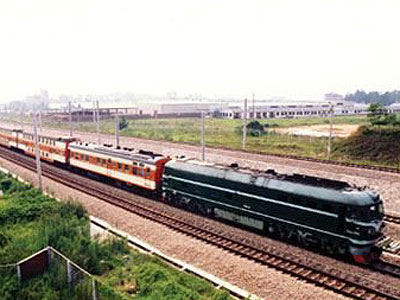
(203, 137)
(37, 151)
(117, 131)
(98, 123)
(244, 125)
(70, 118)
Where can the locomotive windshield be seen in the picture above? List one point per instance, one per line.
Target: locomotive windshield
(374, 211)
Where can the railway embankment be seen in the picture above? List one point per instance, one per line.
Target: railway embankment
(372, 143)
(249, 275)
(30, 221)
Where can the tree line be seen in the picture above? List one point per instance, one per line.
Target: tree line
(378, 115)
(386, 98)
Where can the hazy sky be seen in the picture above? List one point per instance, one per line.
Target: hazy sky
(297, 49)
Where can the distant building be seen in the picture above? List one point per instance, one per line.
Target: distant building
(333, 97)
(180, 109)
(294, 110)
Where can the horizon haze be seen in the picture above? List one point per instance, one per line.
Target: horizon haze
(291, 49)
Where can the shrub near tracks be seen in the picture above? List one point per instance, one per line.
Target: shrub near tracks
(29, 221)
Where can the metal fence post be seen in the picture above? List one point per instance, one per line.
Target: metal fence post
(69, 272)
(48, 255)
(19, 272)
(94, 289)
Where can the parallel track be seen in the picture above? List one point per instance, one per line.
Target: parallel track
(339, 281)
(386, 268)
(392, 219)
(318, 160)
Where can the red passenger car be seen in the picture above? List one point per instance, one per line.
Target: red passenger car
(137, 168)
(51, 149)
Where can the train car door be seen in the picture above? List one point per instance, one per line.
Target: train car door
(147, 180)
(109, 167)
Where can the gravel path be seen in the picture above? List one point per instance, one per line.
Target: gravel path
(257, 279)
(387, 184)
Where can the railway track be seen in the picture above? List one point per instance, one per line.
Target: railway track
(386, 267)
(318, 160)
(392, 219)
(389, 245)
(339, 281)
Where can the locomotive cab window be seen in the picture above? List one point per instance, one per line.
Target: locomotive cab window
(375, 211)
(380, 209)
(365, 212)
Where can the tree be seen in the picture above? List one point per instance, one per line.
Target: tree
(375, 113)
(378, 115)
(255, 128)
(386, 98)
(123, 123)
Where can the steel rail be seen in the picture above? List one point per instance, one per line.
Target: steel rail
(339, 281)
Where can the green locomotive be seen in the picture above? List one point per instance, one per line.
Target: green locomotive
(327, 214)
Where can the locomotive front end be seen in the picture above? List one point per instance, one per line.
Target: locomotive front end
(364, 223)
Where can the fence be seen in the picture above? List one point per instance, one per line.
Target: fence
(63, 271)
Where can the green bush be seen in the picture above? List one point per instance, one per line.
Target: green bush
(32, 221)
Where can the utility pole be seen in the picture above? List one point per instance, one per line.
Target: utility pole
(203, 137)
(94, 111)
(330, 131)
(37, 150)
(40, 120)
(116, 131)
(254, 108)
(22, 118)
(98, 123)
(244, 124)
(70, 118)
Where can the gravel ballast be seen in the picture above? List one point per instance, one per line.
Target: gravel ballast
(257, 279)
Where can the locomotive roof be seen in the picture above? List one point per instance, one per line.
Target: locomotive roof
(307, 186)
(123, 153)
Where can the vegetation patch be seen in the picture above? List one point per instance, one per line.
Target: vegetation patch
(30, 221)
(372, 143)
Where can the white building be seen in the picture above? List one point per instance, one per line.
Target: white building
(294, 110)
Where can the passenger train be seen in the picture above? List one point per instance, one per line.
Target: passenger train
(318, 213)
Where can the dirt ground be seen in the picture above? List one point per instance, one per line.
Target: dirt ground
(320, 130)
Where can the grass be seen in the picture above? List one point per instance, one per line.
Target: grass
(30, 221)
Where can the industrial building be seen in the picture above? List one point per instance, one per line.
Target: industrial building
(298, 110)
